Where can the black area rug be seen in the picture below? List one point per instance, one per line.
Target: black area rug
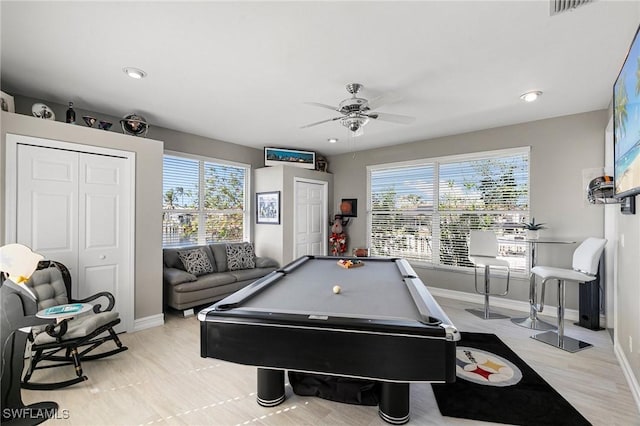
(493, 384)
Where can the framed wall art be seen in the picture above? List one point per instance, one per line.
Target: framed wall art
(268, 207)
(349, 207)
(290, 157)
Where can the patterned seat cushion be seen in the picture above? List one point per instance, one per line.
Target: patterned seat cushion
(196, 261)
(240, 256)
(78, 327)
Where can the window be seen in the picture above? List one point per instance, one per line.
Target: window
(218, 212)
(423, 210)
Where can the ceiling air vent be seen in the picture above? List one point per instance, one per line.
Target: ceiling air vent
(560, 6)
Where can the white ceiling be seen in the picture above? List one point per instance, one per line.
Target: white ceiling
(241, 71)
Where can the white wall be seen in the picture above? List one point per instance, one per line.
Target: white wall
(561, 148)
(628, 294)
(148, 220)
(148, 262)
(277, 241)
(268, 238)
(627, 301)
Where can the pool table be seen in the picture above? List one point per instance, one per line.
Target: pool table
(381, 324)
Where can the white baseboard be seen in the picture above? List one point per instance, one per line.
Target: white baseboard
(501, 302)
(148, 322)
(628, 373)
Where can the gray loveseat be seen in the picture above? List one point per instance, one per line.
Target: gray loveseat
(190, 280)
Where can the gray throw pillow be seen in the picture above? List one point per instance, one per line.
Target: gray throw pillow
(196, 261)
(240, 256)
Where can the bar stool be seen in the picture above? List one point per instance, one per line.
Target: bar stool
(483, 252)
(585, 266)
(532, 321)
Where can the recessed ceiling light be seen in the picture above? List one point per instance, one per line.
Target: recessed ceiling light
(531, 96)
(134, 72)
(332, 140)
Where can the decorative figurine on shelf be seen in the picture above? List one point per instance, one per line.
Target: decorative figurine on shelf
(338, 239)
(89, 120)
(134, 124)
(105, 125)
(321, 164)
(71, 114)
(41, 110)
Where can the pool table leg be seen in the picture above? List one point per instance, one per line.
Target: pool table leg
(394, 402)
(270, 387)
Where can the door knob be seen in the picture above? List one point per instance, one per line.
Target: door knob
(102, 257)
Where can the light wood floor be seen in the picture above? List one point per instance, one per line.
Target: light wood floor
(161, 380)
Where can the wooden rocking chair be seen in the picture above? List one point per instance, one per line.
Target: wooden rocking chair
(70, 341)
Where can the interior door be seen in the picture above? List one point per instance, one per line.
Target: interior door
(47, 219)
(310, 218)
(103, 225)
(74, 207)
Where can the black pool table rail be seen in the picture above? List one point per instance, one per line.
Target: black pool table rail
(393, 357)
(422, 299)
(403, 327)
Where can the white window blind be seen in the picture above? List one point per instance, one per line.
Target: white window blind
(483, 191)
(218, 212)
(402, 211)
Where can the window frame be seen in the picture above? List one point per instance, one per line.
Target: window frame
(201, 212)
(436, 211)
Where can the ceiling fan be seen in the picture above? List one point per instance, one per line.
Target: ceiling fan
(356, 112)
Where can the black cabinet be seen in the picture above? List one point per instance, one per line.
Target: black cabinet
(589, 300)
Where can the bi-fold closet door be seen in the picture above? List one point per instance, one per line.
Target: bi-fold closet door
(75, 207)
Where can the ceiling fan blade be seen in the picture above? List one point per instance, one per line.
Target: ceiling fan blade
(320, 122)
(323, 105)
(394, 118)
(389, 98)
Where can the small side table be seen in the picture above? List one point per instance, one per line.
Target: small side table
(62, 312)
(532, 321)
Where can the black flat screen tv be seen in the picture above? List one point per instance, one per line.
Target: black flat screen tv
(626, 124)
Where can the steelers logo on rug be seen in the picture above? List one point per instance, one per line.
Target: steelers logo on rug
(485, 368)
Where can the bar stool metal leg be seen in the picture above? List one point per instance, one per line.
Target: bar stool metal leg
(558, 339)
(532, 321)
(485, 313)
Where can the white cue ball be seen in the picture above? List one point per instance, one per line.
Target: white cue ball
(336, 289)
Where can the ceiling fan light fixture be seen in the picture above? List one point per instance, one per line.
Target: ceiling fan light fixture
(356, 112)
(354, 123)
(531, 96)
(136, 73)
